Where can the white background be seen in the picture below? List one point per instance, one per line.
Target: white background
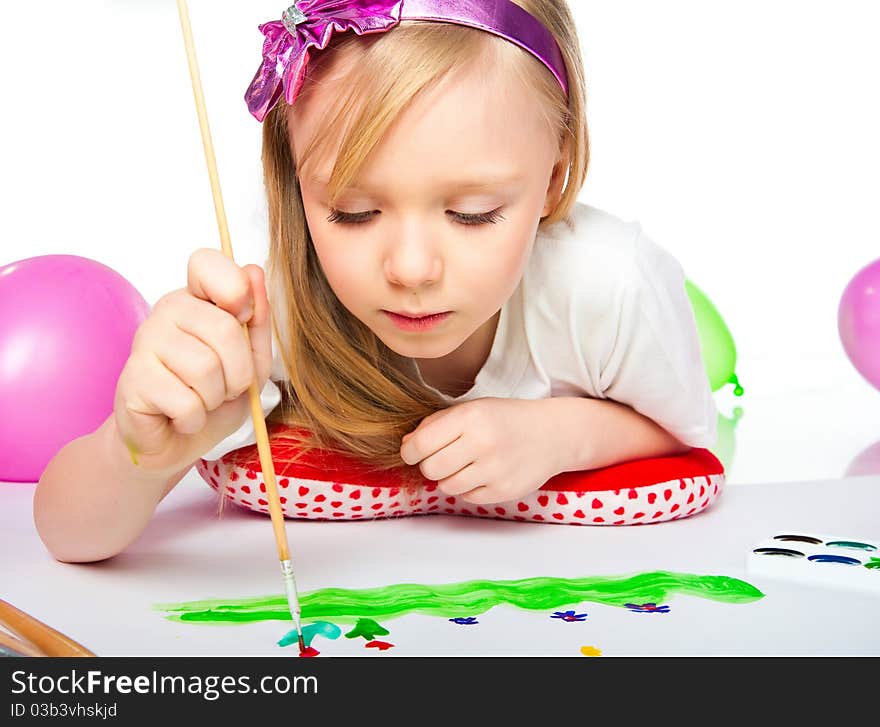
(742, 136)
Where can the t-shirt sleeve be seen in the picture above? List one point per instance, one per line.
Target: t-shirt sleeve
(270, 397)
(655, 363)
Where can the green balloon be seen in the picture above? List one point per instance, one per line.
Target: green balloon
(716, 343)
(725, 447)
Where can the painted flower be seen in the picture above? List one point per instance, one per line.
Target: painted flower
(569, 616)
(465, 620)
(647, 608)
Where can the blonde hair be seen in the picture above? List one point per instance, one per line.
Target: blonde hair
(347, 392)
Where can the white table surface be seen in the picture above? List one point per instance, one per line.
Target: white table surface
(186, 553)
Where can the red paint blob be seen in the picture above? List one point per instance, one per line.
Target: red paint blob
(381, 645)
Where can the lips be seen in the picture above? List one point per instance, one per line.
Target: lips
(417, 316)
(423, 322)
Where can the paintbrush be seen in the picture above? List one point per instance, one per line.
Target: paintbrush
(44, 638)
(256, 409)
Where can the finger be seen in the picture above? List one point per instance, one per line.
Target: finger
(465, 480)
(431, 417)
(444, 463)
(260, 324)
(483, 495)
(195, 363)
(222, 332)
(424, 422)
(431, 436)
(163, 393)
(215, 278)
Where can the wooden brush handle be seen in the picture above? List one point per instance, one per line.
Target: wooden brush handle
(45, 638)
(262, 436)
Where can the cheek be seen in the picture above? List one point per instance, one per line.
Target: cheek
(343, 270)
(340, 258)
(347, 271)
(506, 260)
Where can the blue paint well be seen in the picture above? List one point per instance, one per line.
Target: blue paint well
(843, 559)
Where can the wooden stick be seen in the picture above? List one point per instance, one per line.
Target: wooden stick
(17, 646)
(262, 435)
(43, 637)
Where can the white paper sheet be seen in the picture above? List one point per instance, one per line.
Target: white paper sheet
(186, 554)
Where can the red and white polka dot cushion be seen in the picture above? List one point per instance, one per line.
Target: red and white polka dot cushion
(324, 486)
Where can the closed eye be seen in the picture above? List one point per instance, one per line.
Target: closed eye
(358, 218)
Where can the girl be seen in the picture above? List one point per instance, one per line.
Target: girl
(440, 301)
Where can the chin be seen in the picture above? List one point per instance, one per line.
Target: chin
(419, 349)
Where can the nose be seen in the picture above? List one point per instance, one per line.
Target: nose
(412, 261)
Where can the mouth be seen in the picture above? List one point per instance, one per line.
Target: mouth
(417, 322)
(416, 316)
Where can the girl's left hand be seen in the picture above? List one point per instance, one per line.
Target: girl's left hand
(486, 450)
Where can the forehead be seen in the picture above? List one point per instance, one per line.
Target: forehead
(481, 179)
(482, 122)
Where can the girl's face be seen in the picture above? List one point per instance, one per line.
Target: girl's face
(444, 214)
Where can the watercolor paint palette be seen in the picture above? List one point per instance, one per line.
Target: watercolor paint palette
(845, 562)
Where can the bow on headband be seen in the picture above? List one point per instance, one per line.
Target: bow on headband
(310, 25)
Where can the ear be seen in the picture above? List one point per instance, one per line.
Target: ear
(557, 181)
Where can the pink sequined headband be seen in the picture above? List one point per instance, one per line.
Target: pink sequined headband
(309, 25)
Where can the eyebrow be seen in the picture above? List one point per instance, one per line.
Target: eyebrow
(476, 183)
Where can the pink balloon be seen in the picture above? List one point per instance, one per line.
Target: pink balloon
(866, 462)
(858, 322)
(66, 328)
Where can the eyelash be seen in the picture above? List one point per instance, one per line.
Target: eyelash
(359, 218)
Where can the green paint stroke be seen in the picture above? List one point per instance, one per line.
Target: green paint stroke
(873, 564)
(367, 628)
(467, 598)
(310, 631)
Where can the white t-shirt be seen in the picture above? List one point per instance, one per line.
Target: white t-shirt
(601, 311)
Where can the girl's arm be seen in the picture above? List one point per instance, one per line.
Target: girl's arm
(92, 501)
(597, 433)
(496, 449)
(183, 389)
